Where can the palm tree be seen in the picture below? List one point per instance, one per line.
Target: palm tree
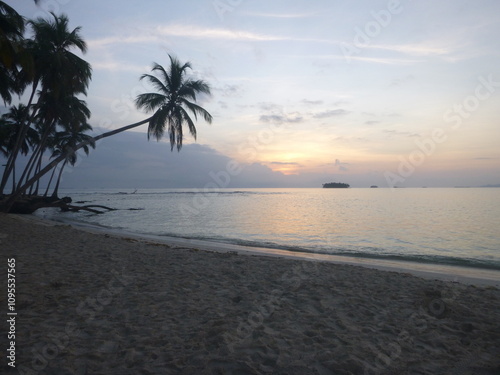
(9, 132)
(66, 112)
(176, 97)
(11, 37)
(9, 129)
(58, 70)
(68, 140)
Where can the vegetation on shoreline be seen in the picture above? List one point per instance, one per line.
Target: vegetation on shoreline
(335, 185)
(54, 123)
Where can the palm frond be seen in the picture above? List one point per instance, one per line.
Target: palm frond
(197, 110)
(189, 121)
(173, 102)
(150, 101)
(157, 83)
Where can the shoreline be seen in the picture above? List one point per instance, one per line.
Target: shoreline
(108, 304)
(466, 275)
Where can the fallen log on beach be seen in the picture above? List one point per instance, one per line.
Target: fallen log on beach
(28, 205)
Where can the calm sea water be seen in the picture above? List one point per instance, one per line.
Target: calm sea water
(446, 226)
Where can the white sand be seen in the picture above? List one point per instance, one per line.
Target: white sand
(92, 303)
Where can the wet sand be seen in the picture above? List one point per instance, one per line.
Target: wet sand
(96, 303)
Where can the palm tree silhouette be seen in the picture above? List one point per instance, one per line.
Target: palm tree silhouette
(11, 36)
(172, 104)
(58, 71)
(176, 95)
(9, 132)
(67, 140)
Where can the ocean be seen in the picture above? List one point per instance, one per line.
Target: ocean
(446, 226)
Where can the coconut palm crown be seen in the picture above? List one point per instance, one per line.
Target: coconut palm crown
(175, 98)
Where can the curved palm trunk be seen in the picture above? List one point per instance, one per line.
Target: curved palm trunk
(14, 179)
(50, 181)
(39, 166)
(36, 157)
(56, 189)
(20, 190)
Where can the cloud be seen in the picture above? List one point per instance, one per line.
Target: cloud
(331, 113)
(375, 60)
(115, 66)
(312, 102)
(400, 81)
(281, 15)
(423, 49)
(341, 166)
(283, 163)
(230, 90)
(158, 34)
(113, 40)
(128, 160)
(279, 119)
(385, 60)
(270, 107)
(197, 32)
(400, 133)
(373, 122)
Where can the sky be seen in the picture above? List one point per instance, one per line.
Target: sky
(389, 93)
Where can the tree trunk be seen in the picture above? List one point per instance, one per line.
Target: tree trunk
(50, 181)
(21, 189)
(36, 157)
(56, 189)
(14, 179)
(38, 167)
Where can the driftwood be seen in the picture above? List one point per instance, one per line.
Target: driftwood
(29, 204)
(89, 208)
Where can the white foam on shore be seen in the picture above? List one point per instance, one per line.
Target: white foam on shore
(465, 275)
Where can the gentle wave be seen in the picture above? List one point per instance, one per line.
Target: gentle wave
(438, 226)
(364, 253)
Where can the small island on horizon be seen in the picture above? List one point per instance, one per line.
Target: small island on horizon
(335, 185)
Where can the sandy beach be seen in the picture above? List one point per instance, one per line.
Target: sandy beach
(96, 303)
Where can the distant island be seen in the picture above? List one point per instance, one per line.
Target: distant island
(335, 185)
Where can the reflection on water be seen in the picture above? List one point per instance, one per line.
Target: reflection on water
(456, 223)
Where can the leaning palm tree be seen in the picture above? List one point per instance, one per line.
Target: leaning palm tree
(172, 105)
(176, 96)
